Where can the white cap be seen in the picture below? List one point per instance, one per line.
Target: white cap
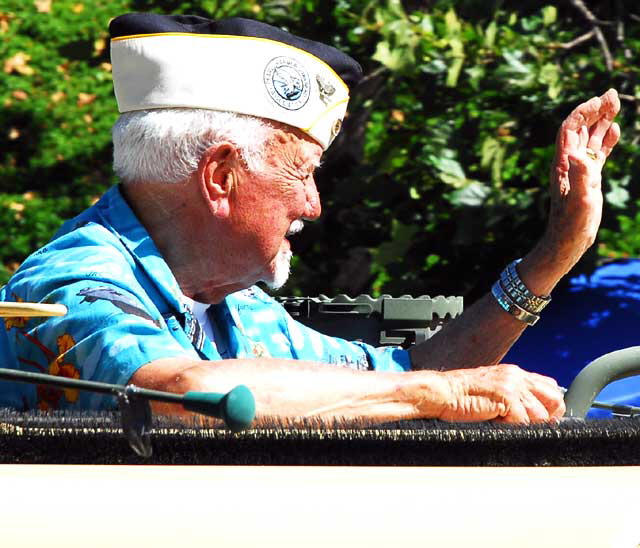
(243, 74)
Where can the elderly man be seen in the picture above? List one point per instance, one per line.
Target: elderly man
(222, 126)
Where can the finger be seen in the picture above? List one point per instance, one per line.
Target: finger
(610, 139)
(583, 136)
(550, 397)
(561, 138)
(536, 410)
(610, 104)
(474, 409)
(549, 381)
(597, 133)
(589, 112)
(516, 413)
(559, 412)
(567, 141)
(585, 114)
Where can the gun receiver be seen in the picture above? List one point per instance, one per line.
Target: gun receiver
(381, 321)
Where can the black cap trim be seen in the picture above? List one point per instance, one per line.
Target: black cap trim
(130, 24)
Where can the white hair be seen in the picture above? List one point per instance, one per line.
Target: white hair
(165, 145)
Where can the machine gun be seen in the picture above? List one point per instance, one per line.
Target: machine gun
(379, 321)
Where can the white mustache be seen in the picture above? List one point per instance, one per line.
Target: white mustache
(295, 227)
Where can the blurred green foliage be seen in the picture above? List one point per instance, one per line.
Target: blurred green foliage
(440, 175)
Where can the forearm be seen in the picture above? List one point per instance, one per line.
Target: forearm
(288, 389)
(483, 334)
(291, 390)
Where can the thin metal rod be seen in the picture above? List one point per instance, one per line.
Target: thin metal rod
(104, 388)
(620, 409)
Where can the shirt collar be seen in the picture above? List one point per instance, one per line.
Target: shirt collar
(120, 218)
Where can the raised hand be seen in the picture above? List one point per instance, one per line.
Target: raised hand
(584, 141)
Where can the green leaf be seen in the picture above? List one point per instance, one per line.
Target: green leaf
(394, 250)
(549, 15)
(396, 9)
(426, 24)
(435, 66)
(489, 148)
(618, 197)
(431, 261)
(450, 170)
(472, 195)
(457, 47)
(476, 74)
(490, 35)
(550, 75)
(515, 64)
(452, 23)
(454, 72)
(492, 155)
(390, 58)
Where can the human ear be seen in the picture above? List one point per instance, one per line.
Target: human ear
(217, 173)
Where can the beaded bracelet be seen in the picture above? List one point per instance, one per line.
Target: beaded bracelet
(515, 288)
(512, 307)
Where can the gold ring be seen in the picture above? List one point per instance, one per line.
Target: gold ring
(591, 153)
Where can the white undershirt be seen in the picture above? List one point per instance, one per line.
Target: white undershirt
(200, 313)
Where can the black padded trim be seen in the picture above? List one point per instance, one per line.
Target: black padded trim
(152, 23)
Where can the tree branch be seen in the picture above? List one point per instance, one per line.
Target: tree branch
(588, 14)
(577, 41)
(367, 78)
(596, 23)
(606, 53)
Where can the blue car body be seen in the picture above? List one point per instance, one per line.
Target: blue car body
(589, 316)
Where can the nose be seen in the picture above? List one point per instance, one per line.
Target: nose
(313, 207)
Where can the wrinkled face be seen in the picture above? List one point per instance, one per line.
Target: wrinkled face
(270, 205)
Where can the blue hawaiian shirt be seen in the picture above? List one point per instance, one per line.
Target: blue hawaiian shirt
(125, 309)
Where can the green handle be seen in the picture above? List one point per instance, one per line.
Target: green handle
(237, 408)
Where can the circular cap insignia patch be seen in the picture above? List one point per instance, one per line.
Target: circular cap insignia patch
(287, 82)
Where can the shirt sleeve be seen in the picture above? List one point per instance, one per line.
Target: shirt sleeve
(110, 330)
(308, 344)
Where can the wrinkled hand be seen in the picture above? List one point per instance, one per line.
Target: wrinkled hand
(502, 392)
(583, 144)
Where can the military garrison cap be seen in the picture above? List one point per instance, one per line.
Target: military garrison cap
(234, 64)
